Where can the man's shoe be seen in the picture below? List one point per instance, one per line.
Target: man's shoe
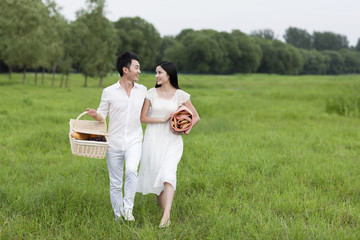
(127, 215)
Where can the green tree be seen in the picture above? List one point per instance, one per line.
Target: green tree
(298, 38)
(96, 56)
(264, 34)
(202, 51)
(21, 33)
(329, 41)
(173, 50)
(177, 52)
(8, 46)
(357, 47)
(221, 49)
(314, 62)
(139, 36)
(229, 53)
(165, 43)
(184, 33)
(66, 61)
(209, 51)
(249, 54)
(352, 61)
(337, 62)
(279, 58)
(77, 47)
(55, 28)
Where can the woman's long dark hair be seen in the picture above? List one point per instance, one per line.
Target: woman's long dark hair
(170, 69)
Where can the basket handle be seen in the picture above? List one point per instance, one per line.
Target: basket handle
(82, 114)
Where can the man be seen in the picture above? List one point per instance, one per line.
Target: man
(122, 102)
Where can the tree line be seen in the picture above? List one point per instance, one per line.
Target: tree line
(35, 37)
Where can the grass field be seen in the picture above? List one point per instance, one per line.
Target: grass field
(268, 160)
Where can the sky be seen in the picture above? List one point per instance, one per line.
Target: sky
(169, 17)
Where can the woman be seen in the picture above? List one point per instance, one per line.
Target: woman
(162, 146)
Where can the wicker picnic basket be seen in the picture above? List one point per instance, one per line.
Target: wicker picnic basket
(87, 148)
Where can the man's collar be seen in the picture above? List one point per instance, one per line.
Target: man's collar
(118, 85)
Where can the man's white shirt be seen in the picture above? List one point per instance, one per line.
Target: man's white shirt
(124, 114)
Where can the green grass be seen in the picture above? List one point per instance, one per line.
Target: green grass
(268, 160)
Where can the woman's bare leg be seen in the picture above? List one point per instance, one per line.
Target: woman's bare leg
(165, 200)
(160, 199)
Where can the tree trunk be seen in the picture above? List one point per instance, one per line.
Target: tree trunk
(10, 72)
(67, 80)
(62, 80)
(36, 72)
(85, 85)
(43, 76)
(53, 74)
(52, 79)
(101, 82)
(24, 76)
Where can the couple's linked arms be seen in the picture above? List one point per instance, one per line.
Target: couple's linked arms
(144, 114)
(146, 119)
(143, 117)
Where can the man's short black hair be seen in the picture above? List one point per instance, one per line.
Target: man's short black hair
(124, 60)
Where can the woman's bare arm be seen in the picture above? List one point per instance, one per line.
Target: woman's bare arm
(144, 114)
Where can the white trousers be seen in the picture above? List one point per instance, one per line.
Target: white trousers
(115, 161)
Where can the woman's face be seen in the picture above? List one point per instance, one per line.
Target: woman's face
(161, 76)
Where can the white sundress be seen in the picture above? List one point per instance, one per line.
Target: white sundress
(162, 150)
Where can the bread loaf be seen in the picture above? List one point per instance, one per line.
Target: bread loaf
(80, 136)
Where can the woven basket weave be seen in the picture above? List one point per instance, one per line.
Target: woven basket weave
(86, 148)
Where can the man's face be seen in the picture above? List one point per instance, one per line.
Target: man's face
(134, 71)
